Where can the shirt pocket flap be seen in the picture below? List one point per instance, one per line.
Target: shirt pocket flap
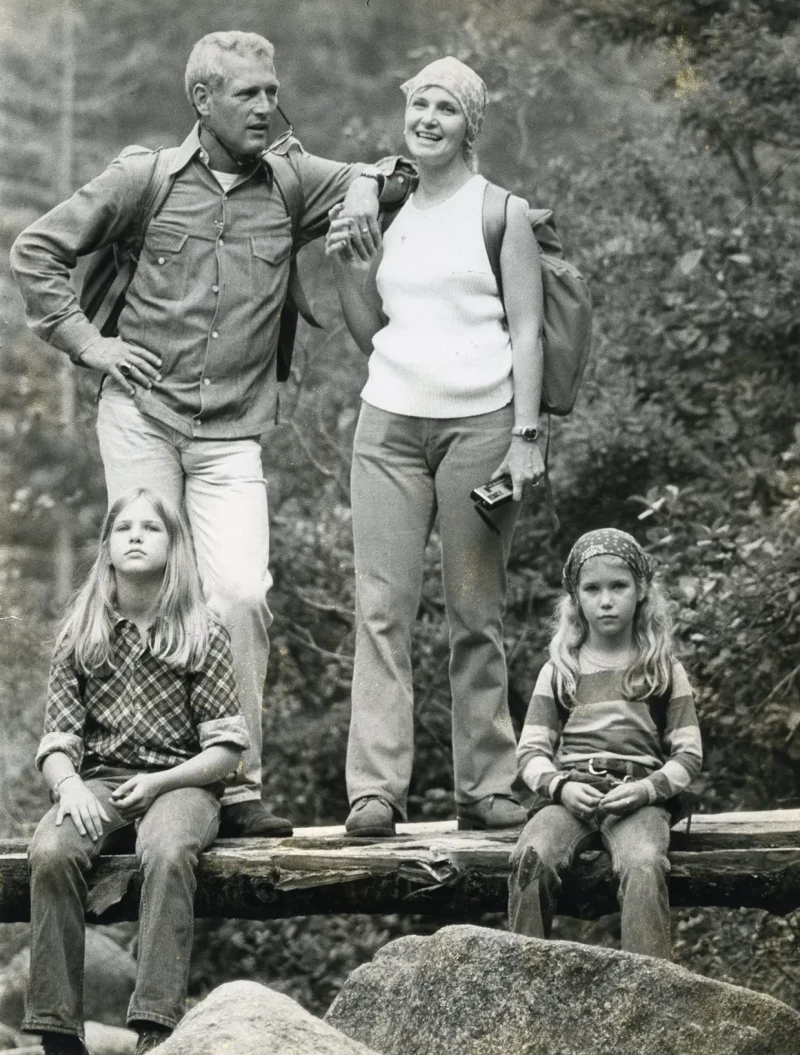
(272, 250)
(165, 239)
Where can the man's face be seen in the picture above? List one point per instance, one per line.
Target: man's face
(240, 109)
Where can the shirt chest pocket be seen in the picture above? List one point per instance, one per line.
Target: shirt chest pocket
(269, 262)
(164, 261)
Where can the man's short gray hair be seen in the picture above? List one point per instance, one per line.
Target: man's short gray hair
(205, 62)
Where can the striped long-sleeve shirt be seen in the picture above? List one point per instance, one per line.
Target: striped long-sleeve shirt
(603, 724)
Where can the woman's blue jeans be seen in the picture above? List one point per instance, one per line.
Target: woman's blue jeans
(170, 837)
(638, 845)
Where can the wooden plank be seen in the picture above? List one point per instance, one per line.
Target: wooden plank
(746, 859)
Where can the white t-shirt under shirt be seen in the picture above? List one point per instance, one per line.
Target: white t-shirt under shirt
(445, 351)
(225, 179)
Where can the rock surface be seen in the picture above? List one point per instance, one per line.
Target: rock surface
(100, 1040)
(245, 1018)
(473, 991)
(110, 974)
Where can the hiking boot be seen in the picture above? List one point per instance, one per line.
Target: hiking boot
(371, 817)
(490, 814)
(150, 1037)
(62, 1044)
(241, 820)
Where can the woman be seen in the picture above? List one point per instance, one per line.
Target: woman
(452, 401)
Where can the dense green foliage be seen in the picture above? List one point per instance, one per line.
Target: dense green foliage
(666, 138)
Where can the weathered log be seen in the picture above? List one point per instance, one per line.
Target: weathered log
(738, 859)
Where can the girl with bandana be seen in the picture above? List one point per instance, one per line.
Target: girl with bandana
(610, 740)
(452, 401)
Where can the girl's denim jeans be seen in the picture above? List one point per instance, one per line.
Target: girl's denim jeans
(638, 844)
(170, 836)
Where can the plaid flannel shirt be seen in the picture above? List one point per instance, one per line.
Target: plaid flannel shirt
(142, 714)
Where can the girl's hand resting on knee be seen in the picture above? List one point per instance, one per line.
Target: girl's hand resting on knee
(581, 800)
(86, 810)
(627, 798)
(137, 795)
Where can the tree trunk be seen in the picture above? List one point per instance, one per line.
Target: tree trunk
(64, 556)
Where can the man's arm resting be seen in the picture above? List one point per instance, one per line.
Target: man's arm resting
(46, 252)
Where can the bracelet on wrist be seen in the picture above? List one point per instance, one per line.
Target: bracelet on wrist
(59, 782)
(557, 787)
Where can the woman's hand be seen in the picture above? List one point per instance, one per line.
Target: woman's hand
(625, 799)
(581, 800)
(137, 795)
(344, 242)
(77, 801)
(524, 463)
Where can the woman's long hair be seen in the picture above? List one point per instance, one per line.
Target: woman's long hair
(180, 629)
(650, 671)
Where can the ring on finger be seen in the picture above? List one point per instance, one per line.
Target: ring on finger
(124, 368)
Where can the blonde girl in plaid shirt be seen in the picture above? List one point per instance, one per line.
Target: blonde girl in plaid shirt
(142, 728)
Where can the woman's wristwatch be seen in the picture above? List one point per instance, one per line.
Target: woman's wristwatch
(525, 432)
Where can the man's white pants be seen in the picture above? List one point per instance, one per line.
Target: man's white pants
(221, 485)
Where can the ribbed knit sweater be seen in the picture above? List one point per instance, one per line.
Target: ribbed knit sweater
(445, 351)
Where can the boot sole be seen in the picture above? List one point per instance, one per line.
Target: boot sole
(466, 824)
(371, 833)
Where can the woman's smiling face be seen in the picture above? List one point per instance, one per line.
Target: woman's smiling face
(435, 126)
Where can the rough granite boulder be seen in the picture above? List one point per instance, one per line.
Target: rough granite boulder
(109, 978)
(245, 1018)
(473, 991)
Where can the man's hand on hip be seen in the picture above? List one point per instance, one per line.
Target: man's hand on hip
(361, 207)
(126, 364)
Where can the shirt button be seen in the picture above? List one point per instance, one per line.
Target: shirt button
(222, 241)
(215, 335)
(215, 289)
(162, 260)
(206, 381)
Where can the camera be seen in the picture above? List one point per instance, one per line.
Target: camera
(493, 494)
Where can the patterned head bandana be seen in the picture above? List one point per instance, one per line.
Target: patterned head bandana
(464, 84)
(607, 542)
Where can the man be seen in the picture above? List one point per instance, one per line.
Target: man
(190, 382)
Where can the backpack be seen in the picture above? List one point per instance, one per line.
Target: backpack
(111, 269)
(567, 323)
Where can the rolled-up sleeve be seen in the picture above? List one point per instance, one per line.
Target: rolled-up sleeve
(65, 715)
(229, 731)
(214, 699)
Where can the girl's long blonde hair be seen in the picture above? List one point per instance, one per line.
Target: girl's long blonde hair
(181, 626)
(649, 673)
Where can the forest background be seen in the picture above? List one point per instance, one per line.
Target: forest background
(667, 139)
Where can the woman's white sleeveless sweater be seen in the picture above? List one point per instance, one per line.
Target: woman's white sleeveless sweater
(445, 351)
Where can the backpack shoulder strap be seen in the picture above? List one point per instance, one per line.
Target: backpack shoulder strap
(659, 705)
(154, 195)
(561, 708)
(158, 187)
(495, 208)
(287, 180)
